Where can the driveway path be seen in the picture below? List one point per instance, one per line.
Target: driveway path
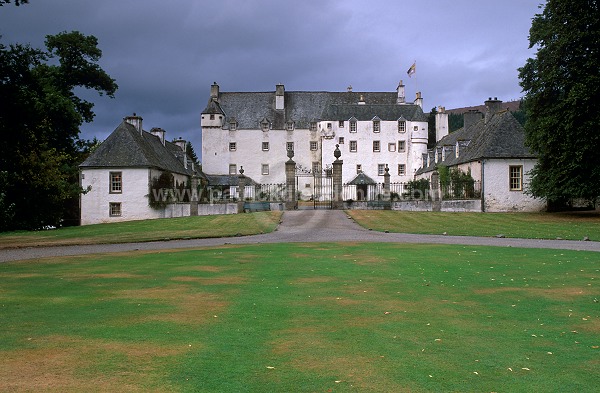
(307, 226)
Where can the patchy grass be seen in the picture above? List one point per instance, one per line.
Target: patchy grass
(569, 226)
(147, 230)
(300, 317)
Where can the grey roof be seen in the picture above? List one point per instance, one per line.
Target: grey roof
(126, 147)
(301, 107)
(228, 180)
(502, 137)
(361, 179)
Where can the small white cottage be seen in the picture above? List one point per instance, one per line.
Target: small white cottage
(491, 147)
(119, 174)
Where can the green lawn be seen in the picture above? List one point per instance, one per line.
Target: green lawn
(570, 226)
(304, 317)
(147, 230)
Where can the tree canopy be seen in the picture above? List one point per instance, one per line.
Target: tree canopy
(40, 116)
(562, 90)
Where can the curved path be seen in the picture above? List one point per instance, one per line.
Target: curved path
(306, 226)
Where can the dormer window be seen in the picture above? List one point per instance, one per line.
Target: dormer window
(265, 125)
(289, 126)
(352, 125)
(232, 125)
(401, 125)
(313, 126)
(376, 125)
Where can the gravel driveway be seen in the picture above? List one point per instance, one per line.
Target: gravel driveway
(307, 226)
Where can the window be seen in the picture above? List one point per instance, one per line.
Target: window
(232, 169)
(329, 126)
(289, 146)
(114, 209)
(391, 147)
(212, 117)
(341, 124)
(401, 126)
(515, 174)
(314, 145)
(358, 168)
(353, 146)
(376, 146)
(316, 167)
(401, 169)
(341, 140)
(352, 126)
(232, 146)
(265, 169)
(376, 125)
(116, 182)
(264, 125)
(232, 125)
(289, 126)
(313, 126)
(381, 169)
(416, 128)
(401, 146)
(265, 146)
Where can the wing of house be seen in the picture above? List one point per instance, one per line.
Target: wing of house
(254, 130)
(120, 171)
(491, 147)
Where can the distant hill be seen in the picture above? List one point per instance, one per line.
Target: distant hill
(510, 105)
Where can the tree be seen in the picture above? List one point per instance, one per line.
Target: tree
(431, 134)
(562, 89)
(189, 148)
(17, 2)
(40, 116)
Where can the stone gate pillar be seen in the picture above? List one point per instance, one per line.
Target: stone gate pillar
(337, 202)
(435, 191)
(194, 196)
(386, 183)
(241, 190)
(291, 201)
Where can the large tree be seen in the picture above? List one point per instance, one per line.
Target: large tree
(40, 116)
(562, 91)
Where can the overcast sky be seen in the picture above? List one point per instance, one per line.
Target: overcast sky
(164, 55)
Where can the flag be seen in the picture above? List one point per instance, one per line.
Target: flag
(412, 69)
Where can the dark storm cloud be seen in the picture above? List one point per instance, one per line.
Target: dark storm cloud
(165, 55)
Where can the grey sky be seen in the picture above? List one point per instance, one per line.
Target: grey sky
(164, 55)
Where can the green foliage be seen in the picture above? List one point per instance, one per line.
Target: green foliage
(417, 189)
(40, 116)
(562, 91)
(455, 121)
(189, 148)
(17, 2)
(161, 190)
(456, 184)
(431, 128)
(296, 317)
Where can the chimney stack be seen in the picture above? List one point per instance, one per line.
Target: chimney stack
(491, 108)
(160, 133)
(441, 123)
(181, 143)
(214, 92)
(419, 100)
(279, 97)
(471, 117)
(135, 121)
(401, 94)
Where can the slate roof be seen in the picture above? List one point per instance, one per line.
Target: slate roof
(301, 107)
(361, 179)
(126, 147)
(227, 180)
(502, 137)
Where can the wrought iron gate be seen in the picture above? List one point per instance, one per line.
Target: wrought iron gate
(320, 185)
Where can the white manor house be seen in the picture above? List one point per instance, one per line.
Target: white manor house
(255, 131)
